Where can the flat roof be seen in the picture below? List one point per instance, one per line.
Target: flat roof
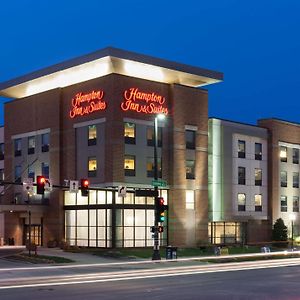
(103, 62)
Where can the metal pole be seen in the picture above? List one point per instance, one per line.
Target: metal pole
(292, 234)
(156, 254)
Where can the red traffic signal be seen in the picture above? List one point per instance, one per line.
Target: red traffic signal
(160, 229)
(160, 209)
(84, 187)
(40, 184)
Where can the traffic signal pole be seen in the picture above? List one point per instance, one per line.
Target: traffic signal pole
(156, 254)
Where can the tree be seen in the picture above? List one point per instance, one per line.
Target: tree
(280, 231)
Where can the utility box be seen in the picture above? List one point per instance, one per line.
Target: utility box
(171, 252)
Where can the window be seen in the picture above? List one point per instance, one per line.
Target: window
(258, 151)
(242, 175)
(1, 174)
(1, 151)
(189, 199)
(150, 167)
(283, 179)
(17, 173)
(283, 154)
(258, 177)
(31, 144)
(129, 165)
(258, 202)
(295, 156)
(31, 172)
(241, 149)
(92, 135)
(92, 166)
(45, 169)
(241, 202)
(129, 133)
(190, 169)
(190, 139)
(18, 147)
(283, 203)
(295, 204)
(45, 142)
(150, 136)
(295, 179)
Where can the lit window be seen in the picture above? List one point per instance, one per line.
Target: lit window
(258, 151)
(45, 142)
(150, 136)
(283, 203)
(92, 165)
(31, 145)
(18, 147)
(295, 179)
(129, 165)
(258, 202)
(150, 167)
(190, 139)
(189, 199)
(190, 169)
(258, 177)
(241, 202)
(283, 154)
(241, 149)
(1, 151)
(295, 204)
(129, 133)
(242, 175)
(17, 173)
(45, 169)
(92, 135)
(283, 179)
(295, 156)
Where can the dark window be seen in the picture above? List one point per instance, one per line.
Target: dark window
(150, 167)
(1, 174)
(241, 202)
(1, 151)
(31, 172)
(258, 177)
(150, 136)
(45, 142)
(241, 149)
(17, 173)
(295, 204)
(92, 165)
(92, 135)
(295, 179)
(31, 145)
(129, 133)
(18, 147)
(129, 165)
(190, 139)
(283, 154)
(295, 156)
(258, 151)
(283, 203)
(242, 175)
(283, 179)
(258, 202)
(45, 170)
(190, 169)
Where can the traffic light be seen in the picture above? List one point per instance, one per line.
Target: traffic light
(160, 229)
(40, 184)
(84, 187)
(160, 209)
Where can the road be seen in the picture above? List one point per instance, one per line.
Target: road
(272, 279)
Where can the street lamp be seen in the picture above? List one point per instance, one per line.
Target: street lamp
(292, 218)
(156, 254)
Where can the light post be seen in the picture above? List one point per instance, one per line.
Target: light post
(156, 254)
(292, 218)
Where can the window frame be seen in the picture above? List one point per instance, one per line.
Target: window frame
(283, 183)
(45, 146)
(283, 199)
(92, 173)
(92, 141)
(128, 171)
(258, 155)
(190, 175)
(241, 207)
(241, 154)
(241, 181)
(131, 140)
(191, 145)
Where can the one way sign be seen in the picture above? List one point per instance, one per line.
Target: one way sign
(122, 191)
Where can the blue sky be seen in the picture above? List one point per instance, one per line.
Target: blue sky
(256, 44)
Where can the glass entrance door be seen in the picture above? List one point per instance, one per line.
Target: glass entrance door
(36, 234)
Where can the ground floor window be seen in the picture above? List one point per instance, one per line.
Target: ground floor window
(227, 232)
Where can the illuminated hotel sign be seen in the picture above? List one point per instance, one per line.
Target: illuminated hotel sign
(141, 102)
(84, 104)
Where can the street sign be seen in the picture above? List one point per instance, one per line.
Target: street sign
(122, 191)
(28, 186)
(159, 182)
(73, 186)
(145, 193)
(48, 185)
